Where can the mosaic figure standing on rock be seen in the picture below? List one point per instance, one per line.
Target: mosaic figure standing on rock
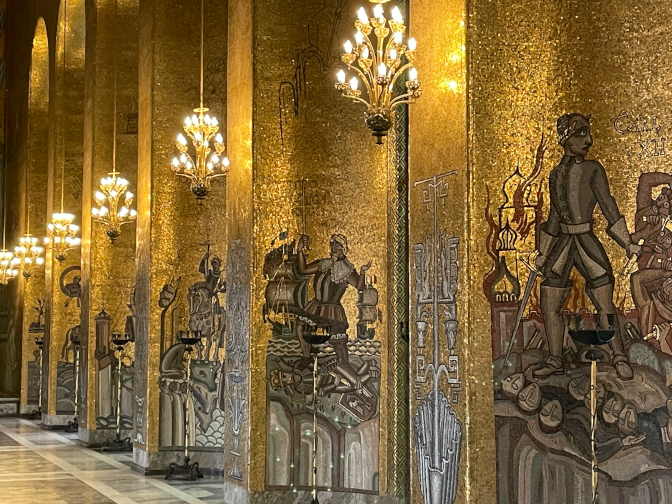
(567, 241)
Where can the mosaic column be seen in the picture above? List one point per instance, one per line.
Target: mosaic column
(181, 244)
(37, 133)
(108, 268)
(452, 457)
(10, 308)
(307, 181)
(63, 279)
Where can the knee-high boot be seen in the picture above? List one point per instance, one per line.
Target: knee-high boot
(552, 301)
(603, 299)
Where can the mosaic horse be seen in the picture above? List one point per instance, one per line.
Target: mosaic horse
(208, 317)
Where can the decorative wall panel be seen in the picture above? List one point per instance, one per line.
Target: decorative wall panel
(528, 71)
(320, 222)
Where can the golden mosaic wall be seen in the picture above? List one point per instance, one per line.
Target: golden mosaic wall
(441, 209)
(172, 228)
(304, 130)
(10, 340)
(109, 268)
(36, 164)
(65, 147)
(529, 64)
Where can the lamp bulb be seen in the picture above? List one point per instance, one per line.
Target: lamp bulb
(378, 11)
(396, 15)
(361, 14)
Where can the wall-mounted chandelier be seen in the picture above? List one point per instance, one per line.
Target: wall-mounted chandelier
(379, 62)
(7, 270)
(28, 254)
(208, 161)
(61, 232)
(113, 188)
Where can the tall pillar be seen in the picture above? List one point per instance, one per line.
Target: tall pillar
(108, 269)
(63, 279)
(451, 419)
(37, 136)
(10, 308)
(302, 163)
(174, 234)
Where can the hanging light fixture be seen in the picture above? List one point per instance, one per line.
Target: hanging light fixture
(112, 188)
(61, 232)
(28, 254)
(379, 66)
(202, 129)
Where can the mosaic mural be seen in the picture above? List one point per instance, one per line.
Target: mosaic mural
(306, 316)
(207, 316)
(437, 432)
(66, 368)
(107, 368)
(550, 268)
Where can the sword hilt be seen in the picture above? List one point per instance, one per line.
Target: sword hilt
(627, 269)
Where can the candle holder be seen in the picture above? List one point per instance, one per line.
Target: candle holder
(187, 471)
(593, 338)
(314, 493)
(74, 425)
(118, 444)
(37, 414)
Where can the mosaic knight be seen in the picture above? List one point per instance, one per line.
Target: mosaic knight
(567, 241)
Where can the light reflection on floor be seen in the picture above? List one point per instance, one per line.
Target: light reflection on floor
(46, 467)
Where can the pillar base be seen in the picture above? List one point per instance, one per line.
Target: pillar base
(94, 438)
(55, 422)
(9, 406)
(156, 463)
(284, 497)
(27, 409)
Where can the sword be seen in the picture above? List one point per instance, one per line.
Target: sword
(531, 280)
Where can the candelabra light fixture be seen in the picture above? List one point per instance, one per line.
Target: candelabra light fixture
(208, 160)
(112, 188)
(7, 270)
(379, 58)
(61, 232)
(28, 255)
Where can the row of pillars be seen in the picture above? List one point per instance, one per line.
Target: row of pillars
(270, 72)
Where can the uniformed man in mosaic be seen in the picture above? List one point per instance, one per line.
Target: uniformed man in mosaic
(567, 241)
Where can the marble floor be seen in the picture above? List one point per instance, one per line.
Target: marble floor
(47, 467)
